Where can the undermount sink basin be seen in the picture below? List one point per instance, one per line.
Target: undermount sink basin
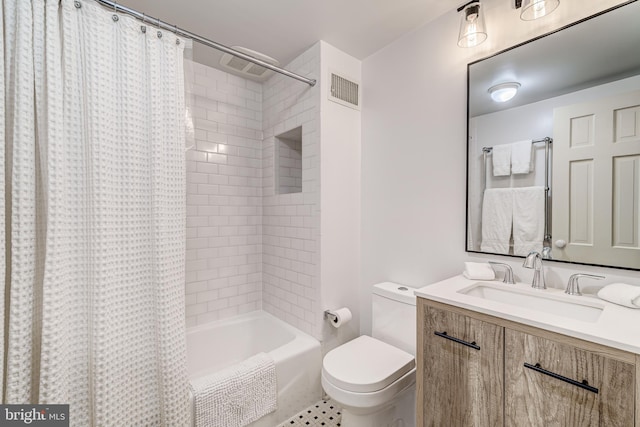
(537, 300)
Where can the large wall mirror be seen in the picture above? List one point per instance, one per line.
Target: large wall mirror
(556, 168)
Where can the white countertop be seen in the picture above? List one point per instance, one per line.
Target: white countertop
(617, 326)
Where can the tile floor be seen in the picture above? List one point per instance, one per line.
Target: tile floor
(324, 413)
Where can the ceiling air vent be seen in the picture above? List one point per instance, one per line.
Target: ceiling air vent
(245, 67)
(256, 70)
(236, 63)
(344, 91)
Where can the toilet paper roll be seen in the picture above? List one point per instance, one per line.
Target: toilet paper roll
(340, 316)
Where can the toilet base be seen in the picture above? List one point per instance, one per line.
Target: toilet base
(401, 412)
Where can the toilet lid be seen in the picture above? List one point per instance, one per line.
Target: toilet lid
(366, 364)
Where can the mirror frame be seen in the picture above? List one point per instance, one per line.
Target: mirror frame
(467, 230)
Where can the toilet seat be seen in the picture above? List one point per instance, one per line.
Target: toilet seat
(366, 402)
(366, 365)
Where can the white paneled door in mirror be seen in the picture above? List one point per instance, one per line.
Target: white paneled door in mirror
(596, 176)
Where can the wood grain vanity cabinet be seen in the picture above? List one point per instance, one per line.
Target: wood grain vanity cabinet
(550, 383)
(465, 360)
(480, 370)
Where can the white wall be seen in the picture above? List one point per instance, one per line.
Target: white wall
(413, 167)
(414, 148)
(340, 198)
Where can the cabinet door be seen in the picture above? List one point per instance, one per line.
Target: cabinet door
(460, 370)
(562, 385)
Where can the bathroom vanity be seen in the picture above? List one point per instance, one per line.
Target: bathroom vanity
(482, 361)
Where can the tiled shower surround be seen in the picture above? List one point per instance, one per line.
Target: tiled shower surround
(248, 247)
(291, 222)
(224, 195)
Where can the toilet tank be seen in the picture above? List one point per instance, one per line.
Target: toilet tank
(394, 315)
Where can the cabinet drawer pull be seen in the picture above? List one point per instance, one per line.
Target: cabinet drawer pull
(458, 340)
(584, 384)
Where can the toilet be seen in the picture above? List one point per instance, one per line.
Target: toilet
(373, 378)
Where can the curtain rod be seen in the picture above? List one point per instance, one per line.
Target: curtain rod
(210, 43)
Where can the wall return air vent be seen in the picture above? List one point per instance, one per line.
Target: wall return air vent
(344, 91)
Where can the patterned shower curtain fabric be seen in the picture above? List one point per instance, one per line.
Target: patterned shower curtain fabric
(93, 215)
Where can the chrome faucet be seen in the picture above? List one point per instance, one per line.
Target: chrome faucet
(534, 260)
(508, 272)
(573, 288)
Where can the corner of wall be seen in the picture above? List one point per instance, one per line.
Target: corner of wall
(340, 197)
(291, 222)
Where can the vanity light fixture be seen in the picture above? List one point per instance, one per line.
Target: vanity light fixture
(472, 30)
(504, 91)
(534, 9)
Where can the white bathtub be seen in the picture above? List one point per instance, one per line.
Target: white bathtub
(217, 345)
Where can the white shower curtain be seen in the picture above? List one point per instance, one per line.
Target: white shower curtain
(93, 214)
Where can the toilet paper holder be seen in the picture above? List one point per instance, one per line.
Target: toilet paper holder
(338, 316)
(328, 314)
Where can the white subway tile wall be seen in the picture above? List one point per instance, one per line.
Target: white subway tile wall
(289, 159)
(291, 222)
(247, 247)
(224, 195)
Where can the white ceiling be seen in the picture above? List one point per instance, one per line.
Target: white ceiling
(283, 29)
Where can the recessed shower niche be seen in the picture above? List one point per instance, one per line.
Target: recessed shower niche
(288, 159)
